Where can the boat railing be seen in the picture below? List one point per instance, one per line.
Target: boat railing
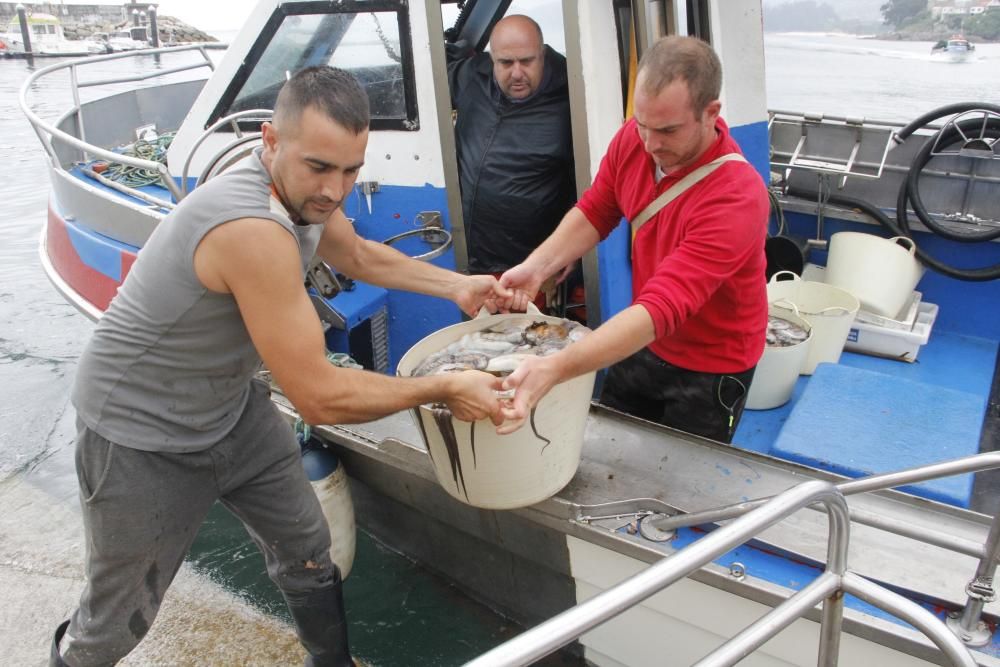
(980, 590)
(828, 588)
(49, 134)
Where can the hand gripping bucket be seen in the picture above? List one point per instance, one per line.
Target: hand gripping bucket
(778, 369)
(480, 468)
(829, 311)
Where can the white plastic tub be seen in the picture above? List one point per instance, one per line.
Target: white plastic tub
(881, 273)
(829, 310)
(493, 471)
(778, 369)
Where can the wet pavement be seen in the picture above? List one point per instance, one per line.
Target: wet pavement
(41, 577)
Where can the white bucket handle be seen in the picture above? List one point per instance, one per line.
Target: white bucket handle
(788, 305)
(794, 276)
(910, 246)
(830, 309)
(532, 309)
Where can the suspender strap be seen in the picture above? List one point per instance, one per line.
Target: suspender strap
(679, 187)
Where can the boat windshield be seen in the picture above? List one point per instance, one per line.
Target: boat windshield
(373, 46)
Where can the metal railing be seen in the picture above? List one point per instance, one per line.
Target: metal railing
(48, 133)
(828, 588)
(980, 590)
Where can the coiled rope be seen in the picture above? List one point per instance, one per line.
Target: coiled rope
(136, 177)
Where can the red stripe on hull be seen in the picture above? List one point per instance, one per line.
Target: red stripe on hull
(88, 282)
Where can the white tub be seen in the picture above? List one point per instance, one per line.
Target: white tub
(778, 369)
(829, 310)
(493, 471)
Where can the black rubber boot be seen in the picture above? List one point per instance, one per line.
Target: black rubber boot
(321, 625)
(55, 660)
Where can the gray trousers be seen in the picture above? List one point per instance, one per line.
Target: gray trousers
(142, 510)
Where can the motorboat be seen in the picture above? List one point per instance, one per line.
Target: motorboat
(663, 547)
(122, 40)
(129, 40)
(47, 38)
(956, 49)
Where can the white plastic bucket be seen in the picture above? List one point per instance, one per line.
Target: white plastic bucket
(778, 368)
(493, 471)
(829, 310)
(881, 273)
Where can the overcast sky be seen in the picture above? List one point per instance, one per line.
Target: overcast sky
(230, 14)
(209, 14)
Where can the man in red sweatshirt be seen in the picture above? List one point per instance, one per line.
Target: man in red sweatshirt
(684, 352)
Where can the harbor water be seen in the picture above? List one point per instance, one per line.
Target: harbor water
(222, 604)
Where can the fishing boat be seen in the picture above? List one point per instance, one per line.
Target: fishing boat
(955, 49)
(662, 547)
(47, 39)
(123, 40)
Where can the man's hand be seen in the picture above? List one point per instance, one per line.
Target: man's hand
(523, 278)
(473, 396)
(473, 292)
(532, 380)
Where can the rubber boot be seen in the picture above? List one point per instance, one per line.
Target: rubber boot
(55, 660)
(321, 624)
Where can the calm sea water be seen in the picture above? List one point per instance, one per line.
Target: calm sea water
(399, 613)
(843, 75)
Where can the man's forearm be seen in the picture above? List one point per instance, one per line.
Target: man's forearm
(622, 336)
(352, 396)
(378, 264)
(572, 239)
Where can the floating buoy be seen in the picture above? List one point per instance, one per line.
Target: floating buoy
(329, 481)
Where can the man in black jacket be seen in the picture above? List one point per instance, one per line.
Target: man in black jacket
(515, 148)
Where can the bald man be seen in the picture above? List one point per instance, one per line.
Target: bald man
(515, 148)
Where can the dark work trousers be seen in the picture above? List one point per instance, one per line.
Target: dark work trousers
(706, 404)
(142, 510)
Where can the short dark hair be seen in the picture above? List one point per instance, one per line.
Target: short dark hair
(331, 90)
(687, 58)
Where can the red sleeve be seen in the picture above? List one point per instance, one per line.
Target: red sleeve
(599, 203)
(724, 228)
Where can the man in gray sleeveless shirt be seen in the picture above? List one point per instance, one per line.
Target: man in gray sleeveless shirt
(170, 418)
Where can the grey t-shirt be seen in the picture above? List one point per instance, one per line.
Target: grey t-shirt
(169, 365)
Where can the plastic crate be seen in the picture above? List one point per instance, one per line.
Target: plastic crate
(882, 341)
(907, 317)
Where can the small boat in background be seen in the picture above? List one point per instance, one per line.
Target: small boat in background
(130, 39)
(47, 39)
(122, 39)
(955, 49)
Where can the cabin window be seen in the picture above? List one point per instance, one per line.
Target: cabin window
(372, 43)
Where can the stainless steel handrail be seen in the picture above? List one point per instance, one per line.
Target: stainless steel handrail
(980, 589)
(883, 482)
(569, 625)
(827, 588)
(233, 121)
(47, 132)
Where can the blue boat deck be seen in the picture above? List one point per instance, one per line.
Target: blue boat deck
(869, 415)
